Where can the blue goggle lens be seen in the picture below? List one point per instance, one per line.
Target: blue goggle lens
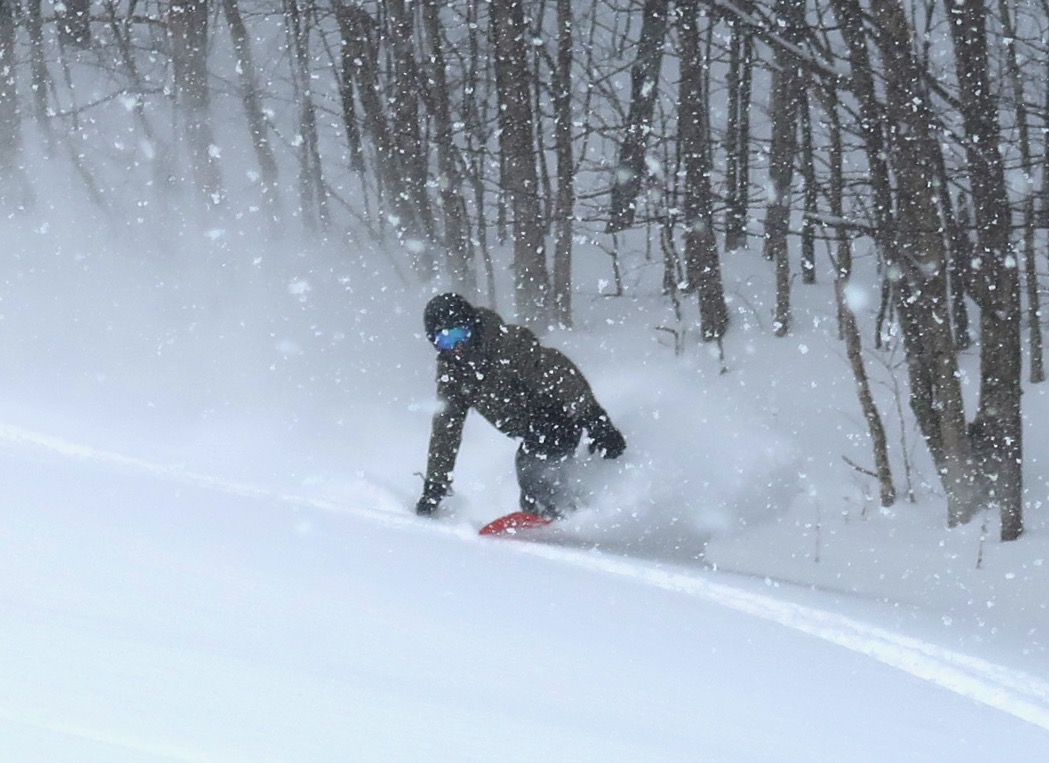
(449, 339)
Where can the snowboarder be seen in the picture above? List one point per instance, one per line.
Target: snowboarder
(523, 389)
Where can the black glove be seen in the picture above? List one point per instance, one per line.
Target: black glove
(604, 437)
(433, 492)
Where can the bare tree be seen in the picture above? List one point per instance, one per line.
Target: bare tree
(956, 225)
(476, 67)
(40, 78)
(313, 197)
(251, 97)
(10, 114)
(1034, 326)
(1043, 195)
(399, 183)
(565, 207)
(786, 97)
(702, 262)
(908, 232)
(737, 135)
(997, 430)
(644, 79)
(74, 22)
(188, 29)
(405, 130)
(450, 180)
(519, 175)
(811, 193)
(849, 329)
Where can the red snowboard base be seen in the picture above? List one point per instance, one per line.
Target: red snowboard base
(512, 523)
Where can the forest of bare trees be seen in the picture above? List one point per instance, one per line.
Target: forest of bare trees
(462, 135)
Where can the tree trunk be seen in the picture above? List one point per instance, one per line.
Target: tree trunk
(313, 198)
(921, 264)
(960, 257)
(811, 195)
(359, 74)
(188, 28)
(519, 177)
(407, 134)
(1034, 325)
(910, 240)
(252, 99)
(644, 78)
(737, 139)
(475, 140)
(997, 430)
(702, 262)
(849, 330)
(1043, 196)
(875, 428)
(163, 159)
(10, 115)
(74, 22)
(360, 66)
(450, 180)
(786, 102)
(565, 214)
(40, 78)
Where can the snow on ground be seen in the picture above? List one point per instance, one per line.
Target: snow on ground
(163, 616)
(209, 553)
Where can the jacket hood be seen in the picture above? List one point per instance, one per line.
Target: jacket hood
(448, 311)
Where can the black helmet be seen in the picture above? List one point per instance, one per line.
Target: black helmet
(446, 311)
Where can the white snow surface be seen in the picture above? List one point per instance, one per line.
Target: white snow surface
(208, 550)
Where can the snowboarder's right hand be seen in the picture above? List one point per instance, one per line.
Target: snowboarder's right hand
(605, 438)
(433, 492)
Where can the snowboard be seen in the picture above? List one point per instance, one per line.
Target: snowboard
(513, 524)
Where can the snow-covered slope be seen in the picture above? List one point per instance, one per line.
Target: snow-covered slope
(208, 550)
(153, 613)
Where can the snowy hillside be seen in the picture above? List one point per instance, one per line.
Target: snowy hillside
(209, 552)
(151, 614)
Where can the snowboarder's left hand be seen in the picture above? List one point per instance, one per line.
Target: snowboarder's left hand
(433, 492)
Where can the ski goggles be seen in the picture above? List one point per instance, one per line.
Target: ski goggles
(449, 339)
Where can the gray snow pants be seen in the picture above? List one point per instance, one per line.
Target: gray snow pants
(543, 464)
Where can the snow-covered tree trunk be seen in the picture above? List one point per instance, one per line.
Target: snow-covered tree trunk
(406, 132)
(1016, 83)
(476, 155)
(783, 113)
(702, 261)
(188, 30)
(644, 87)
(10, 114)
(74, 22)
(359, 76)
(919, 264)
(38, 66)
(908, 233)
(313, 196)
(848, 327)
(516, 143)
(955, 221)
(359, 72)
(811, 193)
(565, 209)
(251, 97)
(450, 180)
(737, 137)
(997, 430)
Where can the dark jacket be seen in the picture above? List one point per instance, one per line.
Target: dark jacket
(523, 389)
